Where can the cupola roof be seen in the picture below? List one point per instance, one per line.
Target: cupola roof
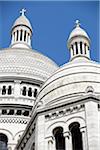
(78, 31)
(22, 20)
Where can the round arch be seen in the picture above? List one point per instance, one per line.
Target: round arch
(49, 130)
(78, 119)
(7, 133)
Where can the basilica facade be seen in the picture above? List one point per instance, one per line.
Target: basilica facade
(44, 106)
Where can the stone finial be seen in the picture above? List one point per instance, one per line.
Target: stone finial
(77, 22)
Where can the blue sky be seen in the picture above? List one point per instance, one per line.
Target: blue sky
(52, 22)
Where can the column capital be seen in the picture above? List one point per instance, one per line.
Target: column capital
(50, 138)
(82, 130)
(66, 134)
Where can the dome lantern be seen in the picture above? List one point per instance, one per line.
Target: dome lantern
(79, 42)
(21, 32)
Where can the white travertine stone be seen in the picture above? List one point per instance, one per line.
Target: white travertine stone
(92, 122)
(39, 137)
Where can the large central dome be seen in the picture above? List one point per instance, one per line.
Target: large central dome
(25, 62)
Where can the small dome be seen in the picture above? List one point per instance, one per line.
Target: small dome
(22, 20)
(78, 31)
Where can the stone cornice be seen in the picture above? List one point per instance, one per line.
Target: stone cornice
(81, 99)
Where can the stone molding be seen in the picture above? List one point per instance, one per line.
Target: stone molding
(14, 120)
(64, 112)
(26, 138)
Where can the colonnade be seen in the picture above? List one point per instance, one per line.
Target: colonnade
(51, 142)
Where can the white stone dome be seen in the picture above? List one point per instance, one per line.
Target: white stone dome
(25, 63)
(22, 20)
(71, 80)
(78, 32)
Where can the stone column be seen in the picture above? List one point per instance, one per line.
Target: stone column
(92, 122)
(71, 52)
(29, 40)
(50, 143)
(15, 36)
(83, 50)
(12, 41)
(23, 32)
(19, 32)
(74, 47)
(68, 141)
(87, 51)
(79, 51)
(26, 37)
(17, 88)
(84, 138)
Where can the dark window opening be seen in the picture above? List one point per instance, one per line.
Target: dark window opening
(11, 112)
(85, 47)
(24, 91)
(21, 35)
(9, 90)
(26, 113)
(81, 47)
(4, 90)
(17, 36)
(59, 138)
(19, 112)
(3, 142)
(76, 136)
(30, 92)
(4, 112)
(76, 47)
(25, 36)
(35, 93)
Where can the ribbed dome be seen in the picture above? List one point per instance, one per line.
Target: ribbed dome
(25, 63)
(22, 20)
(71, 80)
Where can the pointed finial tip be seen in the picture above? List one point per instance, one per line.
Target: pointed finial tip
(22, 11)
(77, 23)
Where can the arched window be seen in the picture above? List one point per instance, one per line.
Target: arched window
(81, 48)
(76, 136)
(35, 92)
(24, 91)
(25, 36)
(59, 138)
(17, 36)
(26, 113)
(3, 142)
(30, 92)
(9, 90)
(21, 35)
(76, 47)
(85, 47)
(4, 90)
